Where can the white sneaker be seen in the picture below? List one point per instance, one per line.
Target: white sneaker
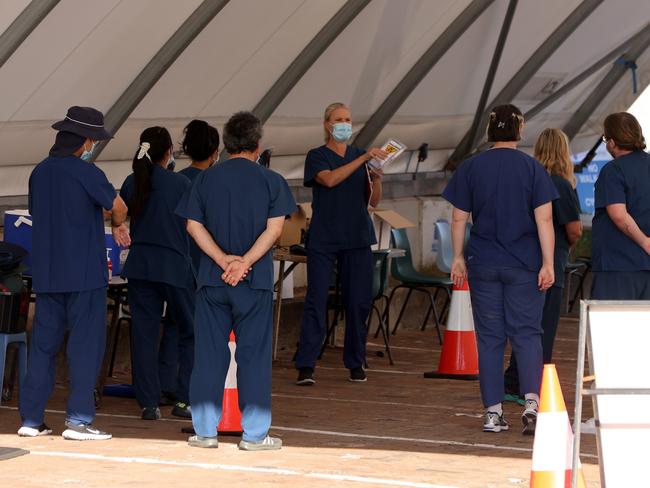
(42, 429)
(267, 444)
(529, 417)
(494, 422)
(84, 432)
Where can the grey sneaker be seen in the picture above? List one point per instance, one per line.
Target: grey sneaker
(84, 432)
(494, 422)
(267, 444)
(42, 429)
(529, 417)
(199, 441)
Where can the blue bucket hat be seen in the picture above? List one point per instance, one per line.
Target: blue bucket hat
(84, 121)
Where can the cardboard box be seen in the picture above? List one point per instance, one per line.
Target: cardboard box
(295, 226)
(387, 220)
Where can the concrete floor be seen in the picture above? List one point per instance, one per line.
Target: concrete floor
(398, 429)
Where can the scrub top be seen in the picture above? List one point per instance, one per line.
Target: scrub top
(159, 241)
(501, 188)
(340, 218)
(624, 180)
(565, 209)
(195, 251)
(66, 197)
(234, 200)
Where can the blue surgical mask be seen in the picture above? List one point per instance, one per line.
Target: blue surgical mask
(86, 155)
(342, 131)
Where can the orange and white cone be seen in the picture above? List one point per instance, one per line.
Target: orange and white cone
(459, 354)
(553, 446)
(230, 414)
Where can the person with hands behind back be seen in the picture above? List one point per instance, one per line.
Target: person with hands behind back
(340, 231)
(508, 260)
(235, 212)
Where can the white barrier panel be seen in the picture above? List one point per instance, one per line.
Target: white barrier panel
(618, 342)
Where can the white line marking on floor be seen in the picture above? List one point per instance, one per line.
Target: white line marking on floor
(245, 469)
(440, 442)
(371, 402)
(373, 370)
(383, 347)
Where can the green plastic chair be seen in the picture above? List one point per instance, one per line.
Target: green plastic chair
(379, 286)
(402, 270)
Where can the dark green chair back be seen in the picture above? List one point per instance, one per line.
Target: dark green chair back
(402, 268)
(379, 273)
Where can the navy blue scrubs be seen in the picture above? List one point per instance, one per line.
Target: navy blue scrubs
(565, 209)
(621, 268)
(501, 188)
(168, 352)
(234, 200)
(341, 230)
(159, 270)
(70, 276)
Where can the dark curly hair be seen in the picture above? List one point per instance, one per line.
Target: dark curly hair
(200, 140)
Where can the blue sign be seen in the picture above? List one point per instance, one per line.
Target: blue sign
(586, 180)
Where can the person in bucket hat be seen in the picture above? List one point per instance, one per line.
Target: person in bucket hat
(67, 194)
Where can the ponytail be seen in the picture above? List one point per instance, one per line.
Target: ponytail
(154, 144)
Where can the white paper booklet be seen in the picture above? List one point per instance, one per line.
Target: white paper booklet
(394, 148)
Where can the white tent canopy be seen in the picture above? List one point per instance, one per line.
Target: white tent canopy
(89, 52)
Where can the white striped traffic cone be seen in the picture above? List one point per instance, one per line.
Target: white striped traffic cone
(459, 354)
(553, 446)
(230, 414)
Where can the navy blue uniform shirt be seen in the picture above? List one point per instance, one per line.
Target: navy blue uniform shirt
(66, 197)
(565, 209)
(234, 200)
(501, 188)
(195, 252)
(340, 218)
(623, 180)
(159, 241)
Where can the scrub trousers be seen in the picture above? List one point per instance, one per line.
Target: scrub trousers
(247, 312)
(84, 315)
(507, 305)
(550, 319)
(146, 300)
(355, 268)
(621, 285)
(168, 356)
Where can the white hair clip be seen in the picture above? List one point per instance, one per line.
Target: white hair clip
(144, 147)
(501, 125)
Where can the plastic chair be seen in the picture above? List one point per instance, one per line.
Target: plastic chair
(402, 270)
(445, 255)
(379, 286)
(19, 338)
(579, 269)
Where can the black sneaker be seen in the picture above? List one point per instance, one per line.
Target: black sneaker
(305, 377)
(151, 413)
(167, 399)
(84, 432)
(42, 429)
(358, 375)
(182, 410)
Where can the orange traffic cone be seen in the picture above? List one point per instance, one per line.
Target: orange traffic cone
(459, 355)
(553, 446)
(230, 414)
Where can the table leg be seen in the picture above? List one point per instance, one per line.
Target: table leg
(278, 306)
(110, 339)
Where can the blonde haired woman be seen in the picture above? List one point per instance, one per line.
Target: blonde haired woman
(340, 233)
(552, 150)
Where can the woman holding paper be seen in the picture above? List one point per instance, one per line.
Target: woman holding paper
(341, 231)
